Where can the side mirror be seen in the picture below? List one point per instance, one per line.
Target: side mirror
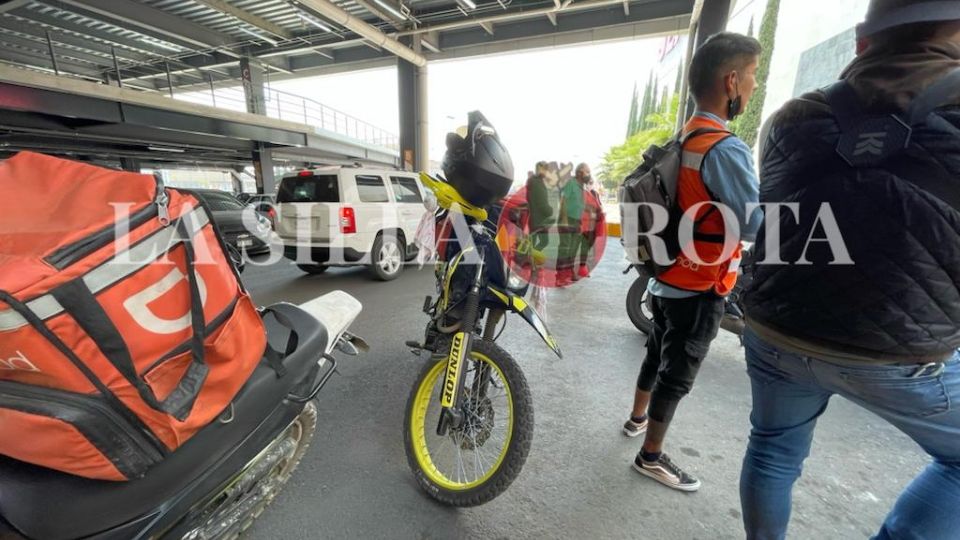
(236, 257)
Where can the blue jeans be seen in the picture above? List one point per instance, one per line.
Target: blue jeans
(791, 391)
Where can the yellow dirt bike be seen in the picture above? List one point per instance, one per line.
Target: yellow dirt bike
(469, 417)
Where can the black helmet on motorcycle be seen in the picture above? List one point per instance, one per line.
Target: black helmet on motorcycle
(477, 164)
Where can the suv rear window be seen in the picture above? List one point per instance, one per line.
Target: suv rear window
(309, 189)
(371, 189)
(405, 189)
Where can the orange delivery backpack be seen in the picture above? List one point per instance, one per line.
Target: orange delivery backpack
(124, 328)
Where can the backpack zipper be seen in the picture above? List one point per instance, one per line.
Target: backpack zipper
(71, 253)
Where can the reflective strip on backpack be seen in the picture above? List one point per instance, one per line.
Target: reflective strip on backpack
(691, 160)
(117, 269)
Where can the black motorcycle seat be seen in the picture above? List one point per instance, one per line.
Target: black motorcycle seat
(47, 504)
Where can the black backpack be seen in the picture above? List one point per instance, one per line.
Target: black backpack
(881, 140)
(650, 187)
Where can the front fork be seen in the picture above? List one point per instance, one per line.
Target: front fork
(452, 394)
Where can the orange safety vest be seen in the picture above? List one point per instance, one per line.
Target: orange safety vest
(718, 275)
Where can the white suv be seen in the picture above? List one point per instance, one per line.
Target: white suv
(345, 216)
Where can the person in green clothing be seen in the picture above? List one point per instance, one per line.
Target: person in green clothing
(571, 212)
(538, 200)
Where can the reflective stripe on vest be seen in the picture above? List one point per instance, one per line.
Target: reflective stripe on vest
(718, 275)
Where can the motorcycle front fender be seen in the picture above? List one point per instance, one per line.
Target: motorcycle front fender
(518, 305)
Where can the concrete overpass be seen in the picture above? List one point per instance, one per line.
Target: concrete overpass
(89, 77)
(134, 129)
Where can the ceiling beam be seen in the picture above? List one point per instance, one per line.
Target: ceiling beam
(152, 21)
(553, 18)
(626, 8)
(277, 64)
(36, 23)
(487, 27)
(381, 14)
(247, 17)
(61, 50)
(44, 64)
(431, 41)
(10, 5)
(339, 16)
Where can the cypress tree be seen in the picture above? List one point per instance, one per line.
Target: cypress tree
(645, 107)
(632, 121)
(749, 124)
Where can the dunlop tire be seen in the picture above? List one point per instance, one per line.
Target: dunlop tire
(519, 444)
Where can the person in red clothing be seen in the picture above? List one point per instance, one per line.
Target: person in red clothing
(591, 222)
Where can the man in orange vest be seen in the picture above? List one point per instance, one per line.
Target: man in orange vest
(717, 182)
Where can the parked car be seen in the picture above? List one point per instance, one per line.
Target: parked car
(255, 199)
(247, 198)
(228, 215)
(350, 216)
(265, 205)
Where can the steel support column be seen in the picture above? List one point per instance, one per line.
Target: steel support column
(412, 86)
(263, 168)
(714, 15)
(252, 77)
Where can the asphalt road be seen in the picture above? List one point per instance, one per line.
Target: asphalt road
(577, 483)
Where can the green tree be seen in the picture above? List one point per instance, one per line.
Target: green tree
(632, 121)
(645, 108)
(622, 159)
(747, 126)
(654, 103)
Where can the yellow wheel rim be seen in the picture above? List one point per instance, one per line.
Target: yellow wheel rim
(427, 394)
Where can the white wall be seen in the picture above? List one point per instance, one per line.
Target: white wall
(804, 24)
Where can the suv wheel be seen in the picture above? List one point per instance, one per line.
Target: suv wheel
(387, 255)
(313, 268)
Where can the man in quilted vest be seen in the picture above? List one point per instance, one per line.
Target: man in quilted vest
(872, 315)
(688, 299)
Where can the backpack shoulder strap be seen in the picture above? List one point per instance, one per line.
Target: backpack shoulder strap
(700, 131)
(845, 103)
(936, 95)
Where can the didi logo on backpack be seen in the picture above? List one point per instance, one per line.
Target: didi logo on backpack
(18, 362)
(138, 305)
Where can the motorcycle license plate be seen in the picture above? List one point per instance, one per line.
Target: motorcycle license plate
(458, 351)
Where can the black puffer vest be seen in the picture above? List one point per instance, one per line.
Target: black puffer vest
(900, 300)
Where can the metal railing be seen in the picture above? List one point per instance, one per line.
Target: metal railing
(291, 107)
(279, 104)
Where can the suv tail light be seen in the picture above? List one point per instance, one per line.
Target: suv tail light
(348, 220)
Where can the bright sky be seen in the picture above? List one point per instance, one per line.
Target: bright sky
(562, 104)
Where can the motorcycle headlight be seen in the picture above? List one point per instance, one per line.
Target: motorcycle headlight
(515, 282)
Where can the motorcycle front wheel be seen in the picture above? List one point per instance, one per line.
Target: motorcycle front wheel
(475, 462)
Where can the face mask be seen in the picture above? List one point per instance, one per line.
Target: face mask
(735, 106)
